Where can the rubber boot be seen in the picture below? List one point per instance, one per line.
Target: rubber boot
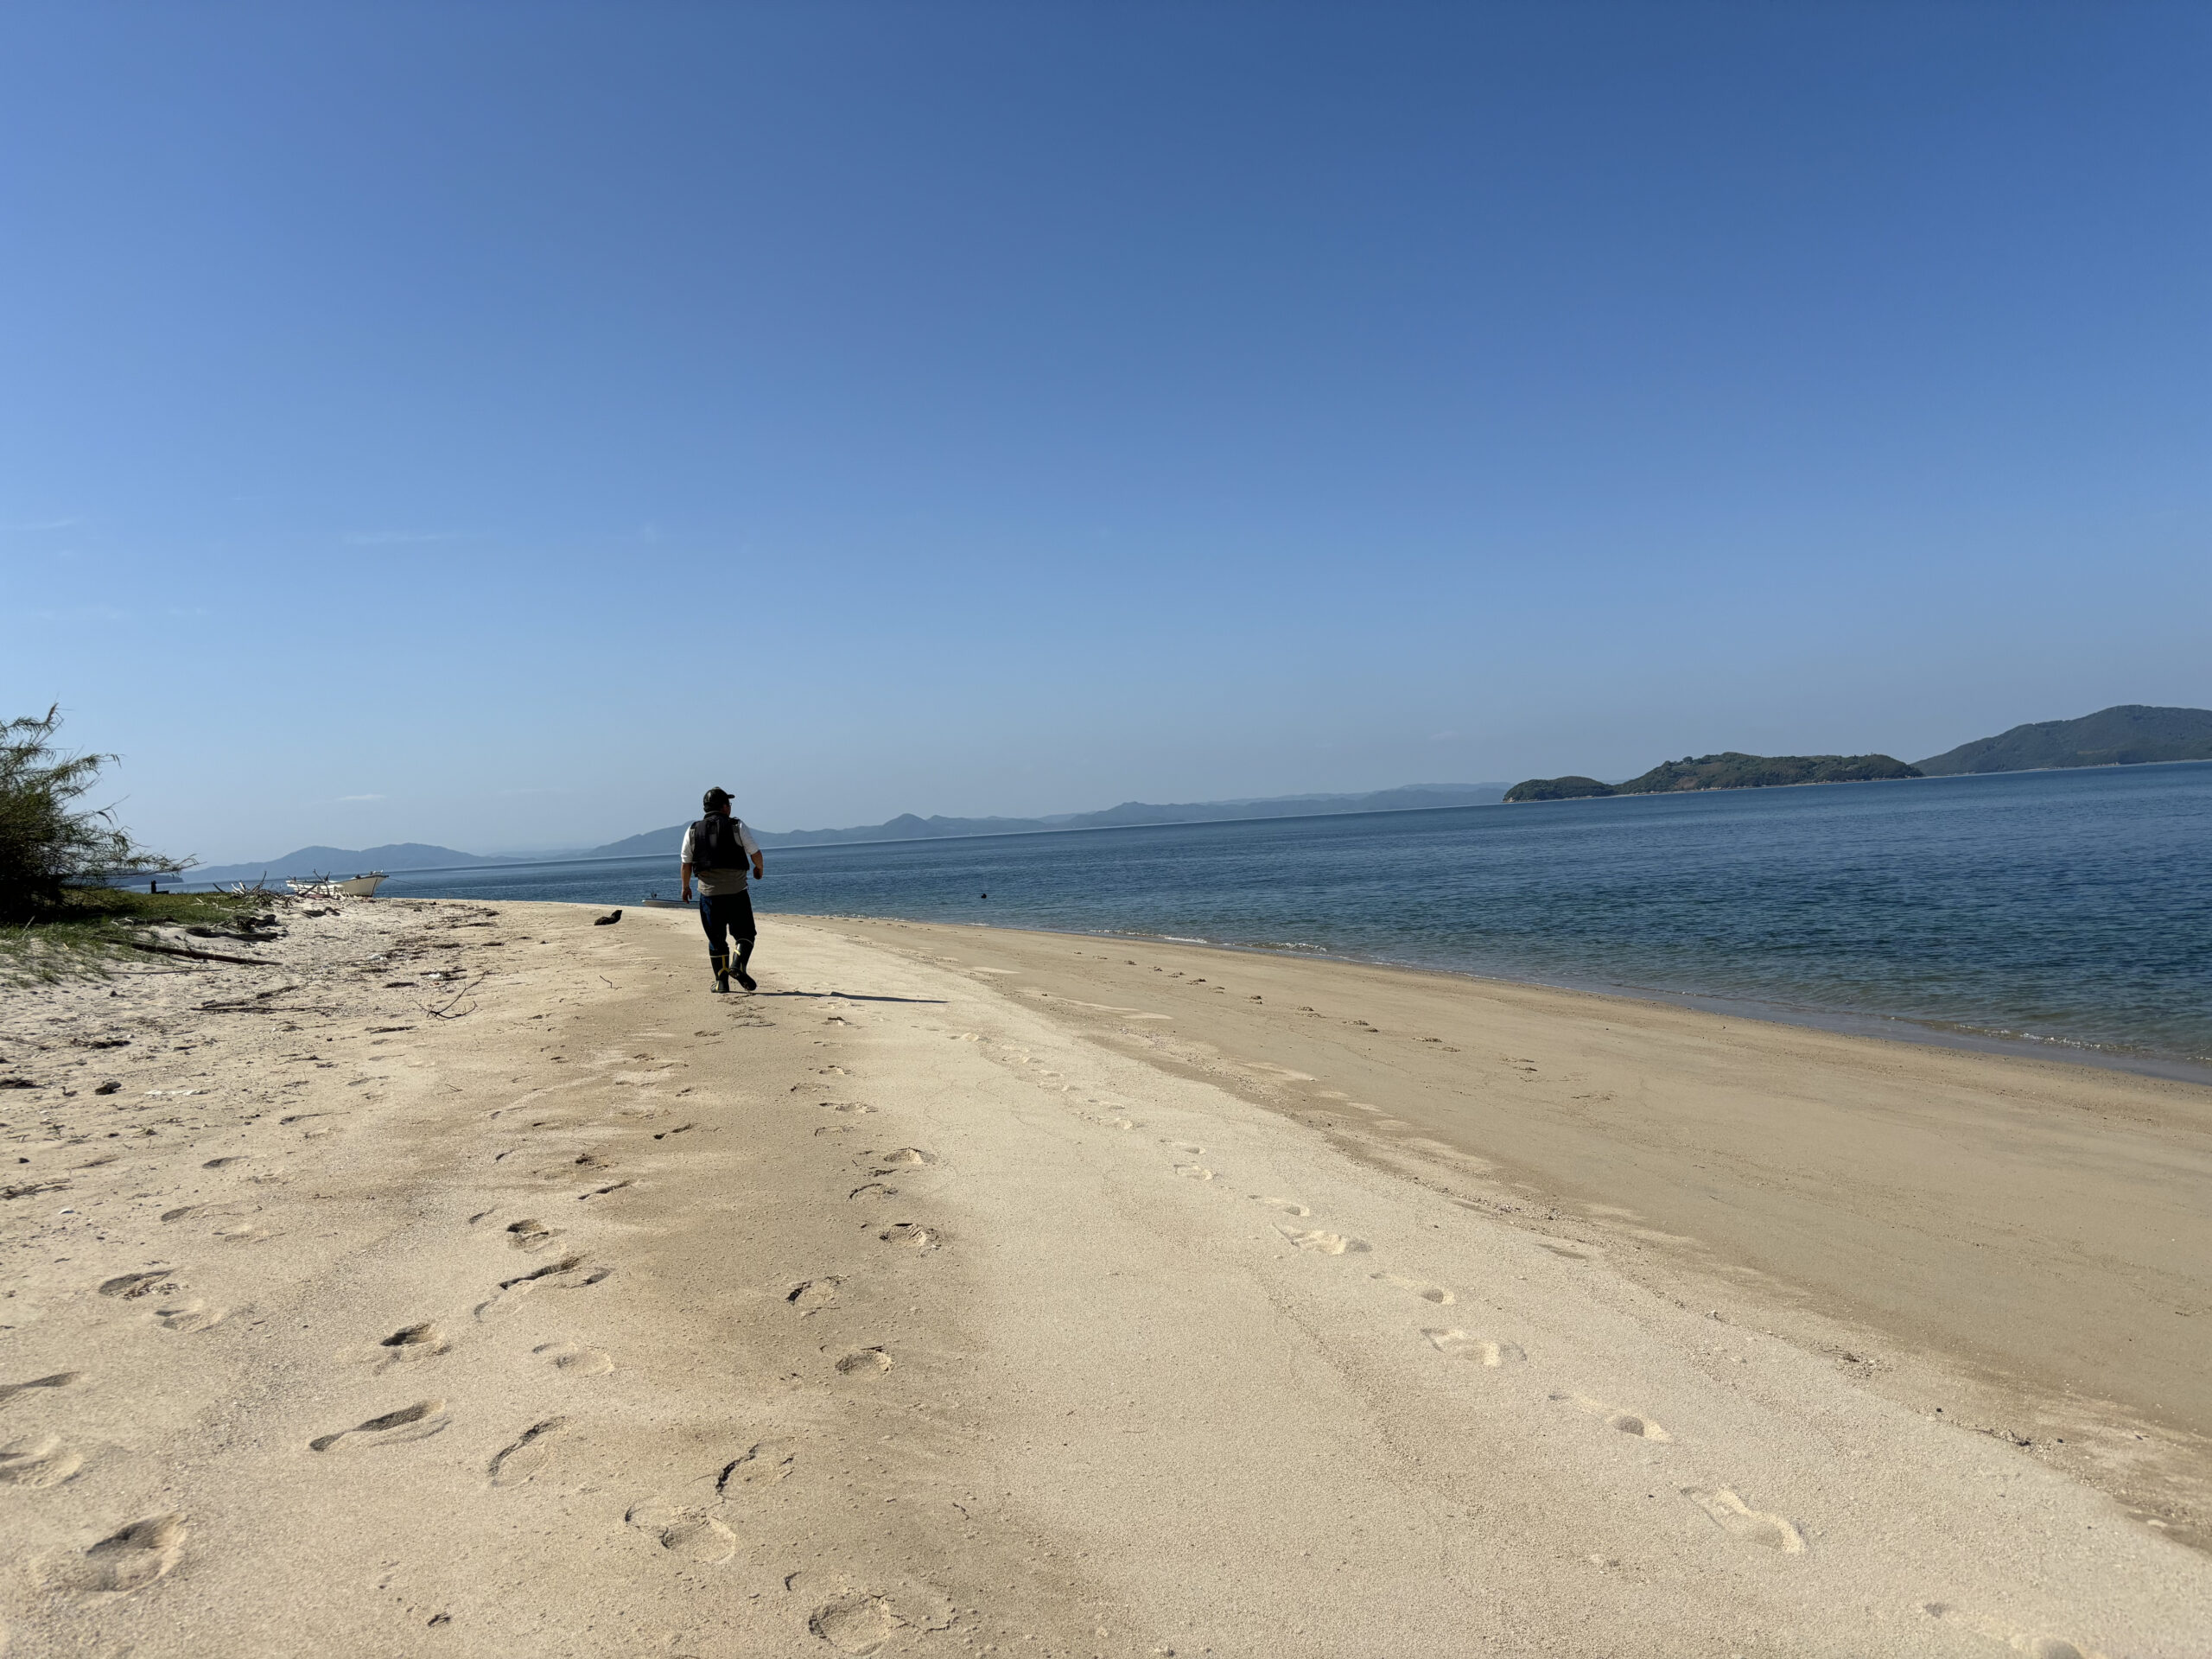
(744, 956)
(721, 969)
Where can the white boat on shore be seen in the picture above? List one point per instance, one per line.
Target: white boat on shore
(354, 886)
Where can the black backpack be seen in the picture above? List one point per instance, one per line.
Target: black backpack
(714, 845)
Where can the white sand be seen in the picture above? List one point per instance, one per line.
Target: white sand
(981, 1292)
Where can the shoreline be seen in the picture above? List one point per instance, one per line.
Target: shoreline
(1877, 1084)
(468, 1278)
(1879, 1027)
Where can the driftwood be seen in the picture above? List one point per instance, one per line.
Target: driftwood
(446, 1009)
(197, 956)
(264, 1007)
(257, 1003)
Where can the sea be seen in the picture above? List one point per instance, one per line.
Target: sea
(2068, 913)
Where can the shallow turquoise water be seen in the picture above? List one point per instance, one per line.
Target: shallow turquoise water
(2072, 908)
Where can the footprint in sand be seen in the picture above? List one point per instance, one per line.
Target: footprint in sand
(528, 1456)
(1463, 1344)
(872, 1190)
(600, 1192)
(1194, 1172)
(864, 1362)
(1288, 1206)
(416, 1422)
(129, 1559)
(857, 1624)
(224, 1163)
(1323, 1243)
(509, 1296)
(904, 1158)
(40, 1462)
(245, 1232)
(691, 1534)
(1435, 1295)
(2036, 1647)
(1741, 1522)
(530, 1235)
(570, 1272)
(205, 1212)
(58, 1380)
(189, 1315)
(1628, 1422)
(573, 1360)
(812, 1295)
(762, 1464)
(912, 1235)
(424, 1341)
(131, 1285)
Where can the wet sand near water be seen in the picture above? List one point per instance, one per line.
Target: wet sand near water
(2048, 1222)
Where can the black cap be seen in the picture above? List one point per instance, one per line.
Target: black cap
(715, 794)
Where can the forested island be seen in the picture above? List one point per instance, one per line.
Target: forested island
(1729, 770)
(2128, 734)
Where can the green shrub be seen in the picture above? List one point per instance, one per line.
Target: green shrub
(48, 843)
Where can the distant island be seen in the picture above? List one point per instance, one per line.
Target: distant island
(2128, 734)
(1728, 770)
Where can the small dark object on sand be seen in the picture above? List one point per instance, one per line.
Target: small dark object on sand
(111, 1087)
(607, 920)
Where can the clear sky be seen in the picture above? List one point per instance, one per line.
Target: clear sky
(489, 423)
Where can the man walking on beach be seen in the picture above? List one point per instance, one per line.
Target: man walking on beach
(716, 848)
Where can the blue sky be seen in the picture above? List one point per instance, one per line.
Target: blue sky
(488, 424)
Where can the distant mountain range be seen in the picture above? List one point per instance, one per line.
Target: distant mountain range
(907, 827)
(416, 856)
(2129, 734)
(341, 860)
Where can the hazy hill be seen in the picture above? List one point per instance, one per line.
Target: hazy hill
(2130, 734)
(1728, 770)
(340, 861)
(907, 827)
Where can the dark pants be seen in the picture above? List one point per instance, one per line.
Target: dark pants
(727, 916)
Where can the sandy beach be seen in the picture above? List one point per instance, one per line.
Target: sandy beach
(468, 1280)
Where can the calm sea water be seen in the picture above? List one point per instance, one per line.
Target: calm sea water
(2065, 908)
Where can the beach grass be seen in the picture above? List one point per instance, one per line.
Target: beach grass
(94, 928)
